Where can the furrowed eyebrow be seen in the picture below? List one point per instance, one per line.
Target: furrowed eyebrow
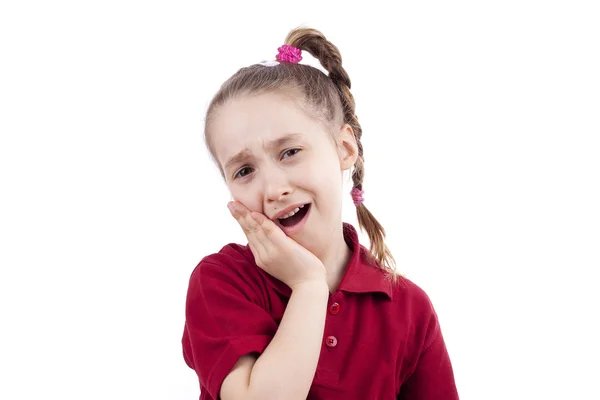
(238, 158)
(283, 141)
(273, 144)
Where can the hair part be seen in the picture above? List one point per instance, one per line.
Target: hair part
(325, 97)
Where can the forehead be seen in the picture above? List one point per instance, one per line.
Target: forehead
(252, 121)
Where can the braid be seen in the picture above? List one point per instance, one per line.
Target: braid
(330, 58)
(319, 47)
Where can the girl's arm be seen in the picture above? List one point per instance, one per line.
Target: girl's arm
(286, 368)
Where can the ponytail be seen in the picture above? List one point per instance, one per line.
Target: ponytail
(330, 58)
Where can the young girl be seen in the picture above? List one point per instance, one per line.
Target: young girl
(304, 310)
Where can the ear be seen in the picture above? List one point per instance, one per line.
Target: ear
(347, 147)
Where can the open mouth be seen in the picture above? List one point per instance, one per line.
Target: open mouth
(298, 216)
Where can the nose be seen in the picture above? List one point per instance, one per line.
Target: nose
(276, 185)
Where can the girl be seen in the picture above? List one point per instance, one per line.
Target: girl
(304, 310)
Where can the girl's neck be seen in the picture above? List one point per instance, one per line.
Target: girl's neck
(335, 259)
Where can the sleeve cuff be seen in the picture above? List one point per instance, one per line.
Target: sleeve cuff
(230, 356)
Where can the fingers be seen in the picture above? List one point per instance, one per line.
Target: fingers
(241, 214)
(265, 223)
(252, 229)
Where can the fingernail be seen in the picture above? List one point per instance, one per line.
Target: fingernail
(231, 207)
(235, 208)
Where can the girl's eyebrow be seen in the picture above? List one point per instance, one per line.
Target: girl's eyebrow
(283, 141)
(238, 158)
(273, 144)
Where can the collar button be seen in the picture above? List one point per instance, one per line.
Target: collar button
(334, 308)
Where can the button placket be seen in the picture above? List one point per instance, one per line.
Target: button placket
(331, 341)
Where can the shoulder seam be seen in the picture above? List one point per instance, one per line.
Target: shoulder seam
(436, 337)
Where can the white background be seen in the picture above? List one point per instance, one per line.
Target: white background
(481, 133)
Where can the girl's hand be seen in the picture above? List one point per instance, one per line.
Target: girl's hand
(276, 253)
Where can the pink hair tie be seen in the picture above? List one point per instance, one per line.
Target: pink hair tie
(357, 196)
(289, 54)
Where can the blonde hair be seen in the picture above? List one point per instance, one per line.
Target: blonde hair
(326, 97)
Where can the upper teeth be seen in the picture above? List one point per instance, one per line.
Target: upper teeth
(292, 212)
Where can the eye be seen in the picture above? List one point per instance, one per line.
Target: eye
(243, 172)
(290, 152)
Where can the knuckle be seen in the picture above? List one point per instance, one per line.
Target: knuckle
(268, 228)
(249, 228)
(267, 259)
(254, 228)
(264, 265)
(271, 255)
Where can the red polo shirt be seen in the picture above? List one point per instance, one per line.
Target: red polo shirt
(381, 340)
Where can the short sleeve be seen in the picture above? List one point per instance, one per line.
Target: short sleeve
(433, 376)
(224, 321)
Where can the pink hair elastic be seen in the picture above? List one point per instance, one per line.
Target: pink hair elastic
(289, 54)
(357, 196)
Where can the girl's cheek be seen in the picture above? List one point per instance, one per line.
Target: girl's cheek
(248, 199)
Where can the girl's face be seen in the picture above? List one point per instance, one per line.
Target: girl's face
(274, 156)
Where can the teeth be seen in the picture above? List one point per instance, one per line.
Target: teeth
(291, 213)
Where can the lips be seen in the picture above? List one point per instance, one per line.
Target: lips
(287, 210)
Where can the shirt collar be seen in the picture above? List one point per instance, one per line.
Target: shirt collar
(360, 276)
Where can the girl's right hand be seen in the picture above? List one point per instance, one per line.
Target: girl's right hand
(275, 252)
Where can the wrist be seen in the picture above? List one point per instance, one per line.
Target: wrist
(315, 284)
